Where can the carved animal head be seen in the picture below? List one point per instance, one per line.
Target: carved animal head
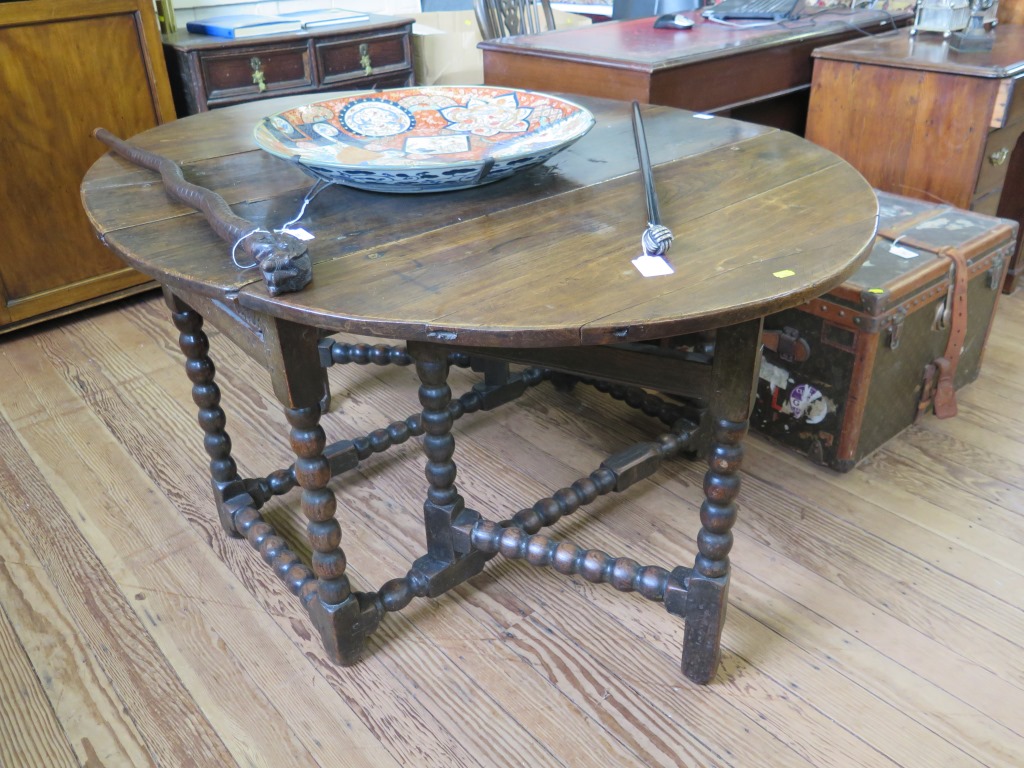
(285, 274)
(283, 260)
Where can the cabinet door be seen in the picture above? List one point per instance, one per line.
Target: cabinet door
(68, 68)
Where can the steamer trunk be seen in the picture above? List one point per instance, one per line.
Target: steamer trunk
(847, 371)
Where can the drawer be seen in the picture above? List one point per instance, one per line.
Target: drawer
(995, 158)
(232, 75)
(350, 58)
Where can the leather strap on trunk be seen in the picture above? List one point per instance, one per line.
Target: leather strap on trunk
(787, 344)
(945, 394)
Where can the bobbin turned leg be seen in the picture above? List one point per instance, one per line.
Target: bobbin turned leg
(734, 376)
(343, 618)
(206, 395)
(448, 562)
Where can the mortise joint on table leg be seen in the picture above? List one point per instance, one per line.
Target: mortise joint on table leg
(499, 386)
(228, 509)
(705, 604)
(439, 576)
(344, 626)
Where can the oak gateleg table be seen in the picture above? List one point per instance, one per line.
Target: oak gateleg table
(527, 280)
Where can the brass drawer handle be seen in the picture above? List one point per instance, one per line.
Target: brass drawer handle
(257, 73)
(364, 58)
(1000, 157)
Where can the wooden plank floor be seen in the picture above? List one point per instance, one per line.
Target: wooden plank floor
(875, 617)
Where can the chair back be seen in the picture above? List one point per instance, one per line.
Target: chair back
(503, 18)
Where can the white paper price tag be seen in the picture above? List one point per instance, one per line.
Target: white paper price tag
(903, 253)
(652, 266)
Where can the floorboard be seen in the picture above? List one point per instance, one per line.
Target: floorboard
(876, 617)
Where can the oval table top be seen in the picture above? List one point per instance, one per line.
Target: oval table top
(763, 220)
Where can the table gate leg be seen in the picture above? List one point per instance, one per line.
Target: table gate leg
(734, 377)
(443, 502)
(444, 565)
(201, 371)
(344, 618)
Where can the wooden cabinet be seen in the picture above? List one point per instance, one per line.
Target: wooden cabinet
(209, 72)
(918, 118)
(68, 68)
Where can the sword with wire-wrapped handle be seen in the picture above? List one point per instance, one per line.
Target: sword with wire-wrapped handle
(657, 238)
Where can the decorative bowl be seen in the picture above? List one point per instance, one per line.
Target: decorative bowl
(424, 139)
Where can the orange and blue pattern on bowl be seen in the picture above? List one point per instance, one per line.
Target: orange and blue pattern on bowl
(424, 139)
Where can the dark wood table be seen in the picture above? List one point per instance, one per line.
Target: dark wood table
(761, 74)
(536, 270)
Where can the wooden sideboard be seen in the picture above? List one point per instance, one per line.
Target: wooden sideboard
(68, 68)
(209, 72)
(918, 118)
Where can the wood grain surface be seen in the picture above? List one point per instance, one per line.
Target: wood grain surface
(875, 616)
(762, 219)
(68, 66)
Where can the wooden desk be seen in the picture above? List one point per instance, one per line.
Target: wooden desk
(762, 75)
(535, 269)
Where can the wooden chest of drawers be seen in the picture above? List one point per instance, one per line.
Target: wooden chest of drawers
(918, 118)
(208, 72)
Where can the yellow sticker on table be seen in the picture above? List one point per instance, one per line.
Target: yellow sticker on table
(784, 273)
(876, 290)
